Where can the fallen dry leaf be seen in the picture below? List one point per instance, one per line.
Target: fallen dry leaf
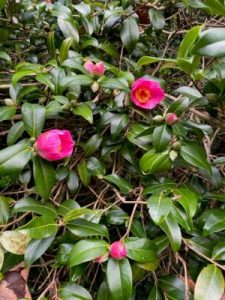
(14, 285)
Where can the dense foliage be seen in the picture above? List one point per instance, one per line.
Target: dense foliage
(112, 152)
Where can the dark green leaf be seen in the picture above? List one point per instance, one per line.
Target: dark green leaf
(4, 209)
(211, 43)
(159, 207)
(124, 186)
(152, 162)
(73, 291)
(86, 250)
(15, 133)
(129, 34)
(83, 228)
(84, 111)
(33, 118)
(14, 158)
(44, 177)
(36, 248)
(161, 137)
(172, 230)
(29, 204)
(119, 278)
(40, 227)
(7, 112)
(195, 155)
(156, 18)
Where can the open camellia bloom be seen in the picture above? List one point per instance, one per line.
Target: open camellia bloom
(95, 69)
(146, 93)
(55, 144)
(118, 250)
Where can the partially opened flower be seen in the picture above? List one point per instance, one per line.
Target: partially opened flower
(55, 144)
(95, 69)
(146, 93)
(118, 250)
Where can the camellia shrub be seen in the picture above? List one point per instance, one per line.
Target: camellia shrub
(112, 149)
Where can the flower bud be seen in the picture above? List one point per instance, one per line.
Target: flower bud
(95, 86)
(158, 119)
(173, 155)
(176, 145)
(9, 102)
(171, 118)
(55, 144)
(118, 250)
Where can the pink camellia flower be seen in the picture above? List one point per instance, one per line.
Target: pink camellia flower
(95, 69)
(118, 250)
(55, 144)
(146, 93)
(171, 118)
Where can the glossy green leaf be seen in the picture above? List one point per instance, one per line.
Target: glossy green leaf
(4, 209)
(155, 294)
(129, 34)
(83, 228)
(188, 199)
(112, 83)
(44, 177)
(141, 250)
(161, 137)
(14, 158)
(147, 60)
(30, 204)
(33, 118)
(188, 41)
(195, 155)
(92, 144)
(119, 279)
(15, 132)
(73, 291)
(36, 248)
(172, 230)
(68, 29)
(83, 172)
(7, 112)
(39, 227)
(156, 18)
(215, 222)
(179, 106)
(173, 287)
(103, 292)
(84, 111)
(73, 182)
(124, 186)
(219, 251)
(152, 162)
(211, 43)
(159, 207)
(209, 284)
(64, 49)
(76, 213)
(86, 250)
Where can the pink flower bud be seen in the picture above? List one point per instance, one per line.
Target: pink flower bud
(99, 69)
(171, 118)
(95, 69)
(89, 66)
(118, 250)
(55, 144)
